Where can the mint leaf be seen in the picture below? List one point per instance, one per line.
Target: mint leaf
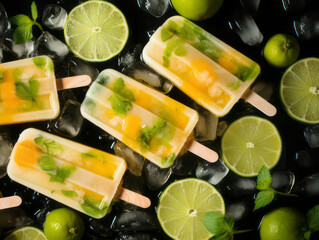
(119, 104)
(43, 63)
(22, 34)
(46, 163)
(1, 76)
(180, 51)
(313, 219)
(167, 161)
(94, 207)
(103, 79)
(264, 179)
(34, 11)
(62, 173)
(118, 85)
(49, 146)
(165, 34)
(94, 154)
(263, 198)
(216, 224)
(34, 88)
(69, 193)
(20, 20)
(23, 91)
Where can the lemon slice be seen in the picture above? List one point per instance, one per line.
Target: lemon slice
(299, 90)
(96, 31)
(26, 233)
(250, 143)
(182, 207)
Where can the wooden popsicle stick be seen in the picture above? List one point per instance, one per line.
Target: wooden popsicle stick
(134, 198)
(260, 103)
(73, 82)
(9, 202)
(202, 151)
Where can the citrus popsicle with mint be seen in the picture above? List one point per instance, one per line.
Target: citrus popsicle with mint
(299, 90)
(96, 31)
(250, 143)
(182, 207)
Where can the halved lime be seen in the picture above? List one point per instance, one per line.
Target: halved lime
(250, 143)
(96, 31)
(182, 207)
(27, 233)
(299, 90)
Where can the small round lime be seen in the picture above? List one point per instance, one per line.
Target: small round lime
(63, 223)
(197, 9)
(281, 50)
(282, 223)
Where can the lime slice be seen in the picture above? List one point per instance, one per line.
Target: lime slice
(299, 90)
(249, 143)
(96, 31)
(182, 207)
(27, 233)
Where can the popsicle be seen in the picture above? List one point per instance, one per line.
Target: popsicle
(149, 122)
(76, 175)
(28, 90)
(209, 71)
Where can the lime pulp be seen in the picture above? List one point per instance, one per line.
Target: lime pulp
(26, 233)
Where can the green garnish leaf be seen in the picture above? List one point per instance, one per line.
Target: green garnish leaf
(264, 179)
(174, 44)
(49, 146)
(93, 154)
(119, 88)
(103, 79)
(69, 193)
(23, 32)
(28, 93)
(313, 219)
(1, 77)
(264, 198)
(165, 35)
(119, 104)
(167, 161)
(94, 207)
(43, 63)
(165, 61)
(216, 224)
(62, 173)
(34, 11)
(180, 51)
(46, 163)
(89, 104)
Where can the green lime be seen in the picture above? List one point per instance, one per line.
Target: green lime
(182, 207)
(250, 143)
(63, 223)
(282, 223)
(197, 9)
(96, 31)
(299, 90)
(26, 233)
(281, 50)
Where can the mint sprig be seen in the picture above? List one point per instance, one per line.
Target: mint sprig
(221, 227)
(23, 32)
(267, 193)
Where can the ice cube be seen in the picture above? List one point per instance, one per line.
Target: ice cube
(144, 74)
(250, 6)
(245, 26)
(13, 218)
(69, 123)
(184, 165)
(134, 160)
(311, 134)
(47, 44)
(5, 151)
(308, 186)
(100, 227)
(304, 159)
(264, 89)
(135, 236)
(307, 26)
(235, 186)
(155, 177)
(157, 8)
(283, 180)
(4, 22)
(211, 172)
(139, 220)
(237, 210)
(54, 17)
(79, 67)
(130, 55)
(293, 6)
(206, 127)
(221, 128)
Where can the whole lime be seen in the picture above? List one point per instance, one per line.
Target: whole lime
(282, 223)
(281, 50)
(63, 223)
(197, 9)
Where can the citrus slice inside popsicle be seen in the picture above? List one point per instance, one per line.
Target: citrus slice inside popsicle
(299, 90)
(250, 143)
(96, 31)
(182, 207)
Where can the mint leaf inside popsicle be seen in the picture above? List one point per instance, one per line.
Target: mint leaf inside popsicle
(46, 163)
(94, 207)
(49, 146)
(28, 93)
(62, 173)
(69, 193)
